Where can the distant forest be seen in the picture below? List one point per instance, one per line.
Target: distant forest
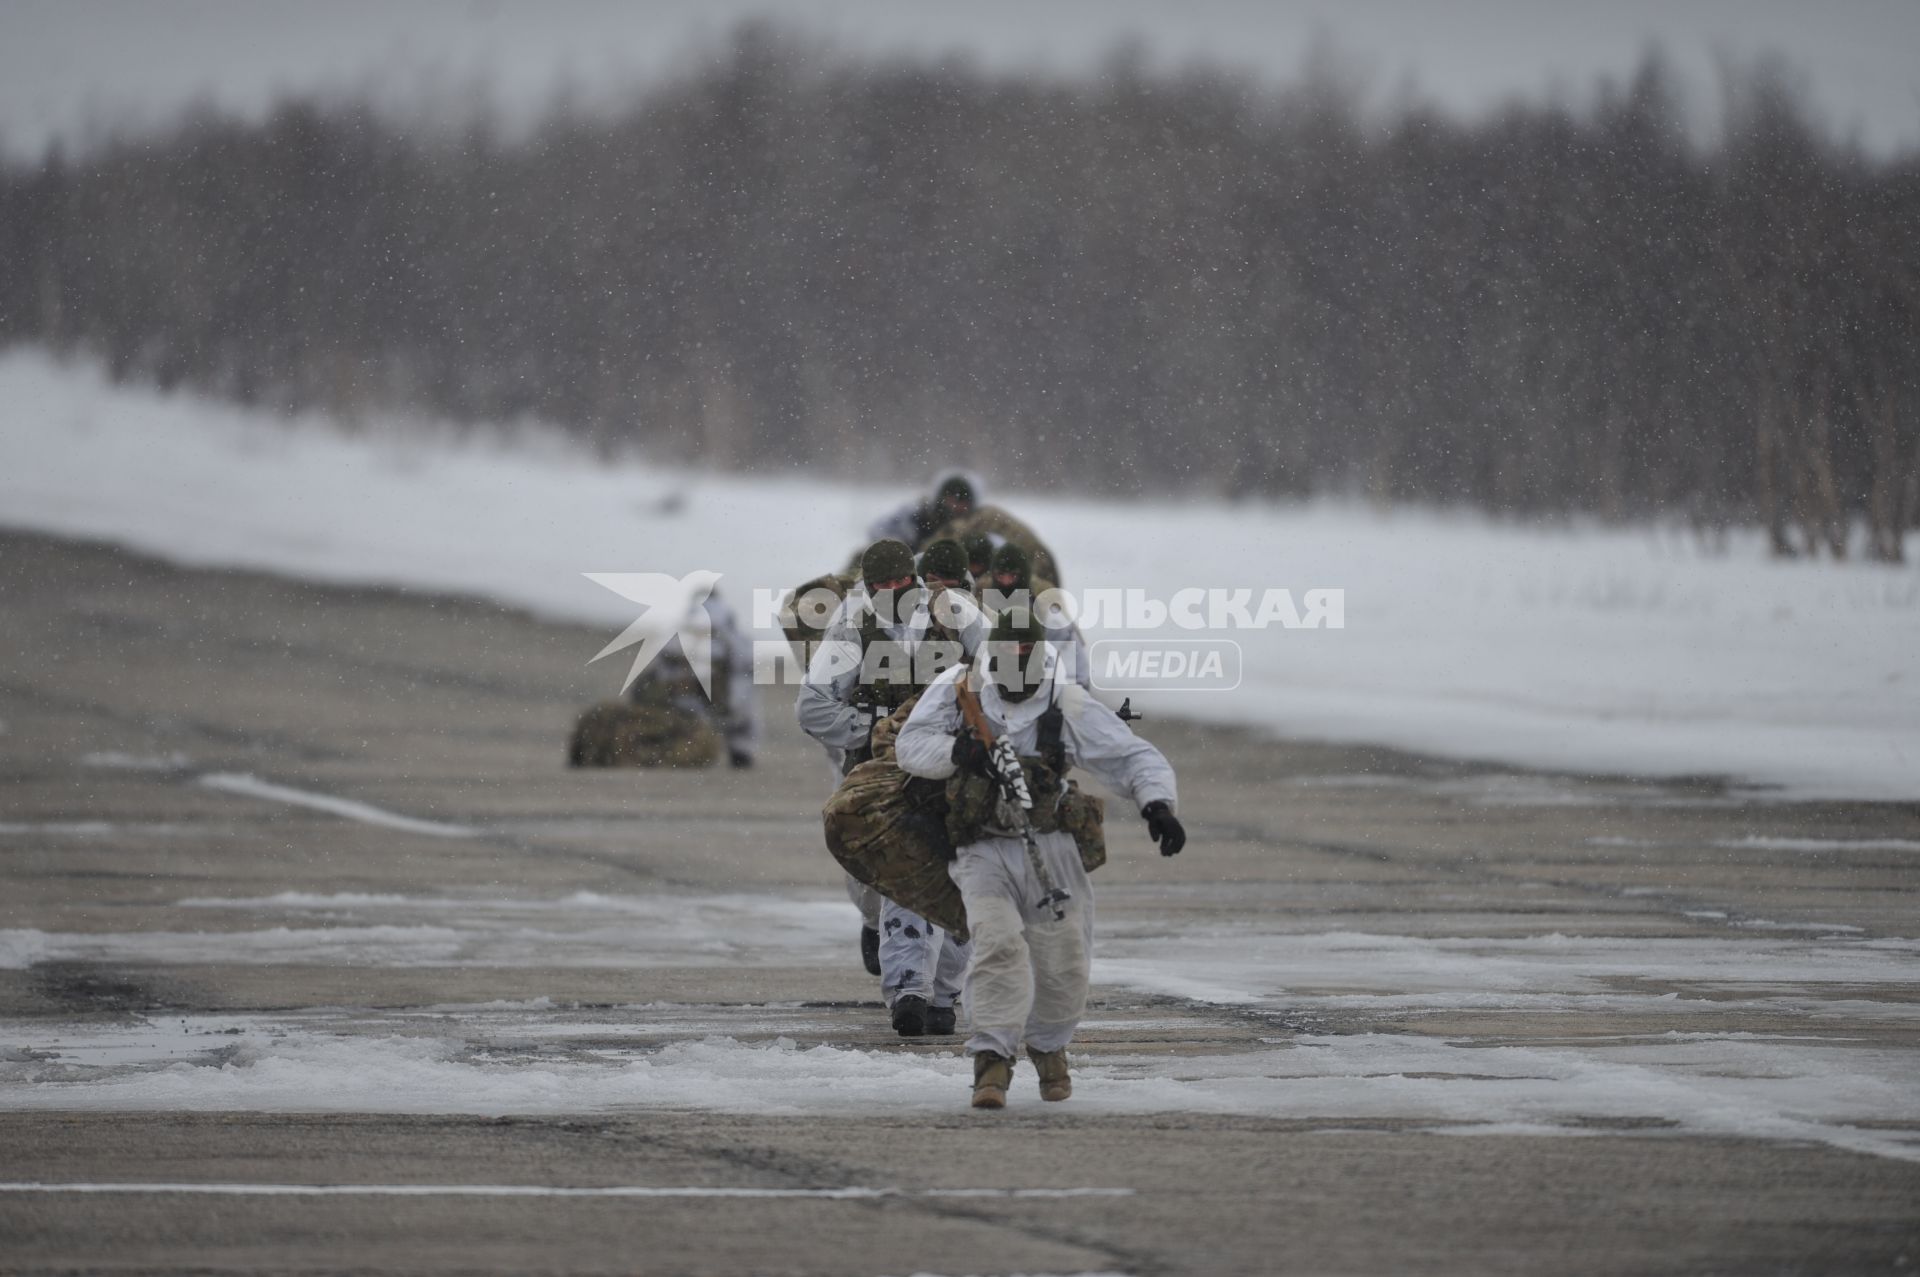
(1127, 282)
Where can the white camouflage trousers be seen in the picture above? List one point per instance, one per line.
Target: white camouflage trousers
(918, 958)
(1027, 982)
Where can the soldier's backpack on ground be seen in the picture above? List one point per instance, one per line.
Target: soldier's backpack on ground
(647, 734)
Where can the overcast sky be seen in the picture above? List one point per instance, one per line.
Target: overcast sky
(71, 67)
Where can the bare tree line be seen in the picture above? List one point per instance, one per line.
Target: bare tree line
(1120, 283)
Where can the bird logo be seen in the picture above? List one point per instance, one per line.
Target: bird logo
(670, 607)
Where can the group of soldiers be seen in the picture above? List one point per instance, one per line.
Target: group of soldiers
(951, 697)
(942, 670)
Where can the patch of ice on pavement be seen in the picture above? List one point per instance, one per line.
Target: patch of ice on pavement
(405, 946)
(86, 828)
(1703, 1085)
(1247, 965)
(20, 949)
(115, 760)
(1823, 928)
(662, 907)
(311, 901)
(1761, 843)
(581, 930)
(249, 786)
(1511, 789)
(853, 1193)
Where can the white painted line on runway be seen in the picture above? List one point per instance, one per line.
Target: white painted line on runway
(249, 786)
(851, 1193)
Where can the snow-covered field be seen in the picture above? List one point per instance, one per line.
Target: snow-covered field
(1584, 649)
(1676, 1068)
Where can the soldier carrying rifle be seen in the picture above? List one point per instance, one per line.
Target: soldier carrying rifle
(1028, 901)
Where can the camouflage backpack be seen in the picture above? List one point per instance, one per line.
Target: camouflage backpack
(888, 830)
(653, 732)
(998, 524)
(793, 621)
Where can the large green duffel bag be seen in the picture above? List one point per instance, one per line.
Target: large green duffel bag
(651, 734)
(891, 830)
(888, 830)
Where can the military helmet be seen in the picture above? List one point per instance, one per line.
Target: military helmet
(943, 560)
(1012, 560)
(887, 560)
(979, 547)
(956, 487)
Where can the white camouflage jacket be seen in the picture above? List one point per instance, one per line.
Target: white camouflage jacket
(1094, 736)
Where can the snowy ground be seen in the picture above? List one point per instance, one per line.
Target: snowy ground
(1585, 650)
(1824, 1079)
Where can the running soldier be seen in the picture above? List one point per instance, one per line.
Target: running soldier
(1027, 982)
(880, 649)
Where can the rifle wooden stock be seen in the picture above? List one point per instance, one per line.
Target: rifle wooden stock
(971, 710)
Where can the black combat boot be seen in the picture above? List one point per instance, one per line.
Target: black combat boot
(870, 950)
(910, 1015)
(940, 1021)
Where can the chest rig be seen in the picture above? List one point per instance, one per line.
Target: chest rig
(975, 804)
(889, 670)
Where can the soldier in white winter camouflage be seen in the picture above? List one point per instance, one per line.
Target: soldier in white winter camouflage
(880, 648)
(1027, 983)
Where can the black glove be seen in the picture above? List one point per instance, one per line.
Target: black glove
(740, 757)
(1165, 827)
(969, 755)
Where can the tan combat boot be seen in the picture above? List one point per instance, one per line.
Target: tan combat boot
(992, 1075)
(1055, 1082)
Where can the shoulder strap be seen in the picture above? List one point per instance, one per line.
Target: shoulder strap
(868, 630)
(1053, 750)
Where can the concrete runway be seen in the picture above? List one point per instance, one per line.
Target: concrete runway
(129, 683)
